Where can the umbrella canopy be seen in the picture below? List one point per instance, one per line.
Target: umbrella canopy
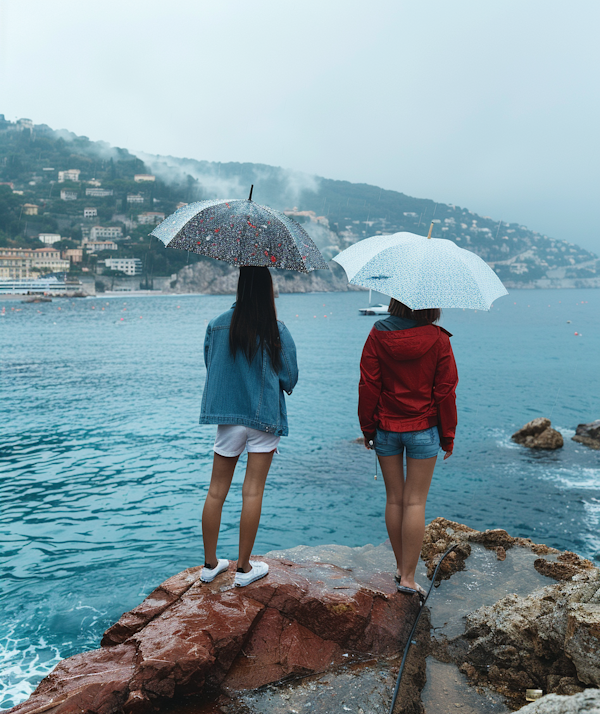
(241, 232)
(422, 272)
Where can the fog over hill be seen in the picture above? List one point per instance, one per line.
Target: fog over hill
(335, 213)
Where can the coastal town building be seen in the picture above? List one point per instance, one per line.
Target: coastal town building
(151, 218)
(29, 209)
(48, 260)
(68, 194)
(49, 238)
(139, 178)
(95, 246)
(98, 192)
(7, 183)
(20, 263)
(181, 204)
(90, 212)
(15, 263)
(73, 255)
(129, 266)
(94, 182)
(114, 232)
(135, 198)
(68, 175)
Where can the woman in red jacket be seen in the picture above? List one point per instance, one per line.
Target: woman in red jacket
(407, 399)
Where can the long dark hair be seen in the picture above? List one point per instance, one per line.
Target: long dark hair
(254, 321)
(423, 317)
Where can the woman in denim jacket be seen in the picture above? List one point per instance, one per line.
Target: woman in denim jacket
(250, 362)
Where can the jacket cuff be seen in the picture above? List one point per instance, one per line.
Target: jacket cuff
(447, 444)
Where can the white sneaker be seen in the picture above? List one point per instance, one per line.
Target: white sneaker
(257, 571)
(209, 574)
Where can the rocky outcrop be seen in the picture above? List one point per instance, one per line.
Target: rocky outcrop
(218, 278)
(588, 434)
(205, 640)
(548, 640)
(587, 702)
(538, 434)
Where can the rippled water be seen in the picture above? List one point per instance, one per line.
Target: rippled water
(103, 466)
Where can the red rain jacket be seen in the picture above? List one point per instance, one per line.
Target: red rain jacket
(408, 380)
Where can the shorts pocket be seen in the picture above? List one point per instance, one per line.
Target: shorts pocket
(381, 437)
(425, 437)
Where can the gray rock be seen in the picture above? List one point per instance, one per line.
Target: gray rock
(589, 434)
(538, 434)
(586, 701)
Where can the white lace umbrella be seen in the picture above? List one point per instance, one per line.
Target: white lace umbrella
(422, 272)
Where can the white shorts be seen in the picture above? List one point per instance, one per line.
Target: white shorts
(232, 439)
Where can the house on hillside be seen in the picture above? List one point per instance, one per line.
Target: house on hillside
(151, 218)
(49, 238)
(74, 255)
(113, 232)
(67, 194)
(139, 178)
(90, 212)
(95, 246)
(98, 192)
(68, 175)
(30, 209)
(135, 198)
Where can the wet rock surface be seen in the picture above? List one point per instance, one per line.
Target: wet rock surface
(517, 628)
(192, 639)
(538, 434)
(324, 633)
(588, 434)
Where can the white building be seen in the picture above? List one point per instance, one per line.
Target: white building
(24, 124)
(49, 238)
(139, 178)
(68, 175)
(151, 218)
(135, 198)
(113, 232)
(68, 195)
(129, 266)
(90, 212)
(98, 192)
(95, 246)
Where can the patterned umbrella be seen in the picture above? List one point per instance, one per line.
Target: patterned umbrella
(422, 272)
(241, 233)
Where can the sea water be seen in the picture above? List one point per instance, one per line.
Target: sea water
(104, 468)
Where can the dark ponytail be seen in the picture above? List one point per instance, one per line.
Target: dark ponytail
(254, 322)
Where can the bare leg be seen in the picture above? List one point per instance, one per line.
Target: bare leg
(252, 495)
(220, 481)
(393, 476)
(419, 473)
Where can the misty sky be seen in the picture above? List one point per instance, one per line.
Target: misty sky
(494, 106)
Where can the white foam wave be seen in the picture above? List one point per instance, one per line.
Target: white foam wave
(23, 664)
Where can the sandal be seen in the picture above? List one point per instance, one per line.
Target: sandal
(412, 591)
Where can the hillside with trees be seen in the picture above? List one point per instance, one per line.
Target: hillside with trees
(110, 187)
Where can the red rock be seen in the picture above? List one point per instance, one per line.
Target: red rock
(188, 638)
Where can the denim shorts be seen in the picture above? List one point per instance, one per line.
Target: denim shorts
(423, 444)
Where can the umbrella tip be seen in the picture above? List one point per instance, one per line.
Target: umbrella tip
(430, 229)
(250, 196)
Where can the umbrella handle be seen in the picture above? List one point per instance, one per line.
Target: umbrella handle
(250, 196)
(430, 227)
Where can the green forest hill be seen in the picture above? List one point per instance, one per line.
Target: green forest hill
(335, 213)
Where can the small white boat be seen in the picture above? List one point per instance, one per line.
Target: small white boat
(374, 310)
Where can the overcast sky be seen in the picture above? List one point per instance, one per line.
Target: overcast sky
(494, 106)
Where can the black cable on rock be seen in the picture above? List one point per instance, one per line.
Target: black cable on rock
(414, 627)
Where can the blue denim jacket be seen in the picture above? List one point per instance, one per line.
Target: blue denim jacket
(240, 392)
